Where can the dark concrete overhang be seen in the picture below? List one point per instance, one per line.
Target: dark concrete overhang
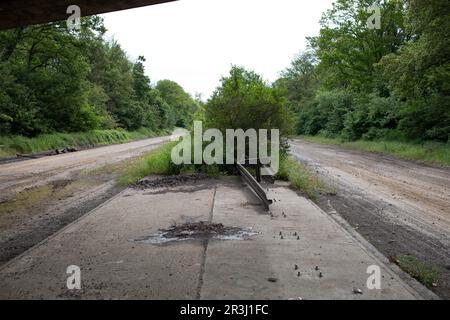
(17, 13)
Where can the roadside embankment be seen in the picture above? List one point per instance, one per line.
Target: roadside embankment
(433, 153)
(12, 145)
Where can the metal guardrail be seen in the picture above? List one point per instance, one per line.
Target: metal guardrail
(256, 187)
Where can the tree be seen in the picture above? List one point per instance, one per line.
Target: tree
(44, 61)
(419, 72)
(54, 79)
(244, 100)
(356, 82)
(181, 103)
(300, 81)
(347, 49)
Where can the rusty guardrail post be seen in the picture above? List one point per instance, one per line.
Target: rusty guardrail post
(254, 185)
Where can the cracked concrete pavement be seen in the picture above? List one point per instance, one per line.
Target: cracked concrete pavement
(299, 251)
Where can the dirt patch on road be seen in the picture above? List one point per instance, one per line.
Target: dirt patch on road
(40, 196)
(34, 201)
(198, 231)
(170, 181)
(38, 212)
(393, 240)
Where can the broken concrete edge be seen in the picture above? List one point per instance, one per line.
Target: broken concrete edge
(411, 284)
(62, 230)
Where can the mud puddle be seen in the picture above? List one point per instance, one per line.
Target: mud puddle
(170, 181)
(198, 231)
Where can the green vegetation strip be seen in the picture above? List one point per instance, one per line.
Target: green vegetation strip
(158, 162)
(421, 271)
(300, 177)
(11, 145)
(429, 152)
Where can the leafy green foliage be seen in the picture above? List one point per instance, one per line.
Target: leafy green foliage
(424, 272)
(300, 177)
(326, 113)
(159, 162)
(300, 81)
(56, 80)
(348, 49)
(183, 105)
(354, 82)
(419, 72)
(244, 100)
(371, 117)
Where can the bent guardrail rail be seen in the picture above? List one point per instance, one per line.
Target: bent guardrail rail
(254, 185)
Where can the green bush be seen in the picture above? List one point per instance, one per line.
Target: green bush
(159, 162)
(326, 114)
(372, 118)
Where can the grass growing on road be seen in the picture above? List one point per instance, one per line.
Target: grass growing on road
(159, 162)
(429, 152)
(421, 271)
(300, 177)
(11, 145)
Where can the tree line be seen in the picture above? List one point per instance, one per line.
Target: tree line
(352, 82)
(389, 83)
(56, 80)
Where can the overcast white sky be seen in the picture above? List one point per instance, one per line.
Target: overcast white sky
(195, 42)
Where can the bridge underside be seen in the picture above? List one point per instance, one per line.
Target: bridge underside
(17, 13)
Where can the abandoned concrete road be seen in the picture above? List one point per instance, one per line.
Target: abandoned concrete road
(401, 207)
(203, 239)
(40, 196)
(175, 238)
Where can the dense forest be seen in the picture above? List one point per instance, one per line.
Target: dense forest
(354, 82)
(55, 80)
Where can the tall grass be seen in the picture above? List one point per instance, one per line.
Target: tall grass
(11, 145)
(300, 177)
(428, 152)
(159, 162)
(425, 273)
